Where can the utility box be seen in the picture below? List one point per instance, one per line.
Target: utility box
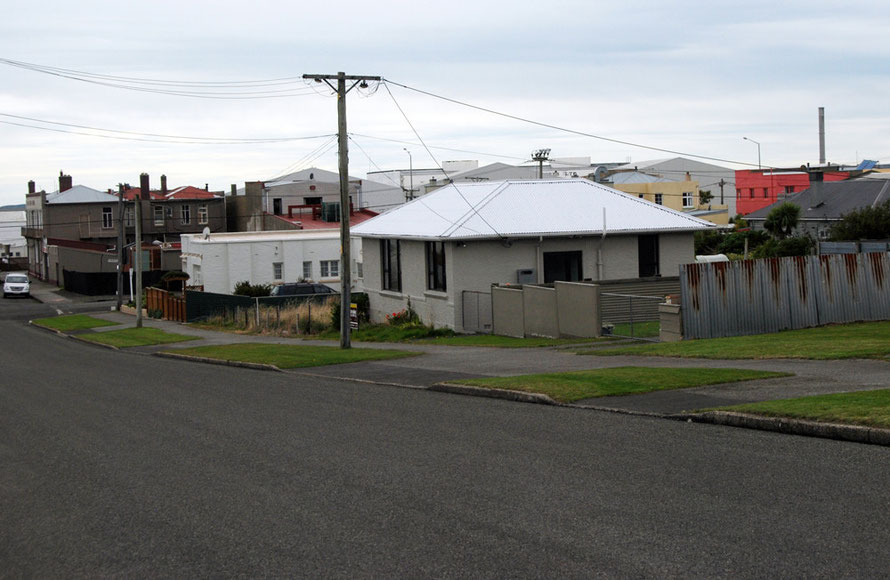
(526, 276)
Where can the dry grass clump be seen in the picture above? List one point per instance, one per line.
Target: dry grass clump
(307, 317)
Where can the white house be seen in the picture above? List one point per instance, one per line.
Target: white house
(221, 260)
(459, 240)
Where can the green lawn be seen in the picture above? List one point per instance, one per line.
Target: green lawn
(870, 408)
(643, 329)
(72, 322)
(286, 356)
(130, 337)
(574, 386)
(841, 341)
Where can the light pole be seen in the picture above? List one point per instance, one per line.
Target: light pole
(410, 195)
(758, 150)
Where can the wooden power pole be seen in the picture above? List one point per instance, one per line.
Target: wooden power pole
(345, 258)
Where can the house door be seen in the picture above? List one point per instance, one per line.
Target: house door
(562, 267)
(648, 255)
(276, 205)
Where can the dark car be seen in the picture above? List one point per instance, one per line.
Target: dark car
(301, 289)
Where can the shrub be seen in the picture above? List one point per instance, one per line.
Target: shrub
(245, 288)
(362, 304)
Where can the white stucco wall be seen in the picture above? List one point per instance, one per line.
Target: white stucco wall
(476, 265)
(226, 259)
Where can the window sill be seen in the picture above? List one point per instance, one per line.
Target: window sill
(436, 294)
(391, 294)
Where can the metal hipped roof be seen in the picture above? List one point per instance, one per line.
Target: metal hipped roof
(524, 209)
(80, 194)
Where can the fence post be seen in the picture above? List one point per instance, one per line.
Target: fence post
(257, 300)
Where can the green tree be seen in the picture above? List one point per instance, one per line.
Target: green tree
(868, 223)
(782, 220)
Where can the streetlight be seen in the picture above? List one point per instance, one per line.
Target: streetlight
(410, 195)
(758, 150)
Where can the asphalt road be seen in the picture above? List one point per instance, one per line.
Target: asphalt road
(113, 463)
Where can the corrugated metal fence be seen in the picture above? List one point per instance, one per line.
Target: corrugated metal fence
(760, 296)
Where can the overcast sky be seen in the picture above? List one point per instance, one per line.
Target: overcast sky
(686, 76)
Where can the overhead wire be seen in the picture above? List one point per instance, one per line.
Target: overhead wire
(388, 82)
(225, 91)
(456, 188)
(166, 138)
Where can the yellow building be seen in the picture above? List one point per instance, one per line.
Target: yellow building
(677, 195)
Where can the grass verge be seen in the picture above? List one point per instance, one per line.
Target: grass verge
(130, 337)
(72, 322)
(574, 386)
(841, 341)
(869, 408)
(447, 337)
(286, 356)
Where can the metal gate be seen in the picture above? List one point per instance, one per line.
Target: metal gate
(476, 311)
(630, 315)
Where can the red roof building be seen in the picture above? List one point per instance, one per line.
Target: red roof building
(757, 188)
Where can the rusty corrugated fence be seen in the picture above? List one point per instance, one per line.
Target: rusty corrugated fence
(759, 296)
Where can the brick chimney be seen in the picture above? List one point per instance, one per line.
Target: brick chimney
(144, 186)
(32, 187)
(164, 185)
(206, 187)
(64, 182)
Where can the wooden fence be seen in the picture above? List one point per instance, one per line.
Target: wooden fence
(171, 306)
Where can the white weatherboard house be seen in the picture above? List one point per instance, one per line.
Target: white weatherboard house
(221, 260)
(439, 249)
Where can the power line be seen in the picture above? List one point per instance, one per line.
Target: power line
(161, 137)
(228, 91)
(563, 129)
(456, 188)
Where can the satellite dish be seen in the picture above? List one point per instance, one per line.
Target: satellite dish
(206, 233)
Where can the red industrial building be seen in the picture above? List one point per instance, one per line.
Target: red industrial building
(757, 188)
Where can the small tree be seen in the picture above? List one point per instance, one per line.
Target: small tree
(867, 223)
(782, 220)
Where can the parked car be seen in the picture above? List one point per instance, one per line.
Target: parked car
(301, 289)
(16, 285)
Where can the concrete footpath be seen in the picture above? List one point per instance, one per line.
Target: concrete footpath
(440, 365)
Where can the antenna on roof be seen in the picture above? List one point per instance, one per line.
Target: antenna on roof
(541, 155)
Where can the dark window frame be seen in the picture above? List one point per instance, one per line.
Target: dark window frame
(391, 265)
(435, 267)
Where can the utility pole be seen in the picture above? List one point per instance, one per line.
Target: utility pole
(137, 246)
(721, 184)
(345, 259)
(120, 246)
(541, 155)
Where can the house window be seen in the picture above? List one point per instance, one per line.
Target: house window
(562, 267)
(107, 220)
(390, 257)
(312, 200)
(751, 193)
(358, 270)
(435, 266)
(330, 268)
(276, 206)
(130, 218)
(159, 215)
(197, 278)
(307, 270)
(765, 192)
(185, 214)
(202, 214)
(789, 189)
(277, 270)
(659, 198)
(647, 249)
(687, 199)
